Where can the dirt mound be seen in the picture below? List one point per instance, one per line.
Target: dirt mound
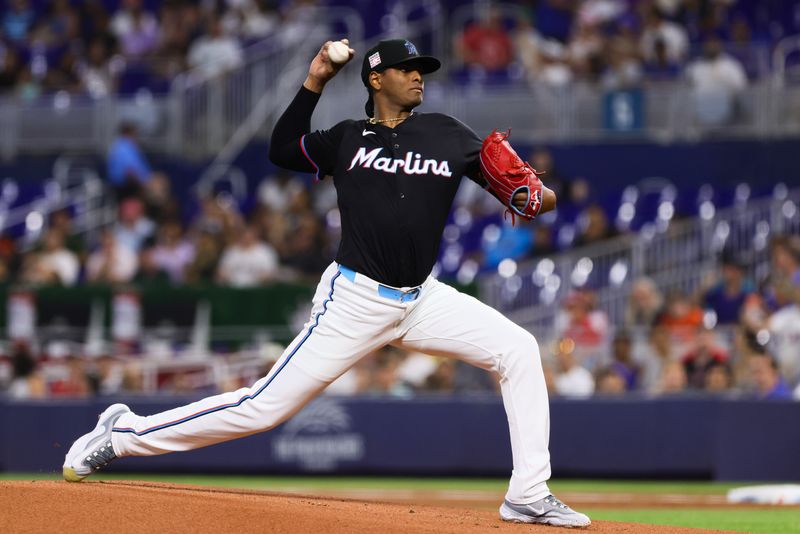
(122, 507)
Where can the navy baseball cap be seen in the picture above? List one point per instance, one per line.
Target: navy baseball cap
(393, 52)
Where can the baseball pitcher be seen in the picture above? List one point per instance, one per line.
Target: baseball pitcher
(396, 174)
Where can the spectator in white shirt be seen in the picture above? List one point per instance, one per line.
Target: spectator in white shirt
(248, 263)
(716, 71)
(136, 28)
(674, 37)
(173, 253)
(716, 79)
(252, 19)
(55, 264)
(784, 329)
(133, 228)
(653, 356)
(215, 53)
(277, 191)
(571, 380)
(111, 263)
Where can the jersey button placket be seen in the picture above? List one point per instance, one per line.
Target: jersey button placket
(397, 146)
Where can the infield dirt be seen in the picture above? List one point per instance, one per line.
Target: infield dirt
(128, 507)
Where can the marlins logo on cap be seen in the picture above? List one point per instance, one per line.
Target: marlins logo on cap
(411, 48)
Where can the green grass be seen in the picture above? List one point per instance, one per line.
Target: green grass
(772, 521)
(764, 521)
(634, 486)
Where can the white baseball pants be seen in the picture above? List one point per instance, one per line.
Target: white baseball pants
(352, 316)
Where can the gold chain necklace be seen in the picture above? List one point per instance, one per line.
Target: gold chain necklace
(373, 120)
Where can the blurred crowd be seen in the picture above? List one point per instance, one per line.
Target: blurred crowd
(288, 231)
(713, 46)
(733, 338)
(616, 43)
(158, 240)
(734, 335)
(89, 48)
(98, 48)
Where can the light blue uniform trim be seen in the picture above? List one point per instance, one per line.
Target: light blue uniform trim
(385, 291)
(350, 274)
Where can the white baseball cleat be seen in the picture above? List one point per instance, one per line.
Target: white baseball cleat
(93, 451)
(547, 511)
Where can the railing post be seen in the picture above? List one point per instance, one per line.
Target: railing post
(175, 115)
(9, 133)
(215, 125)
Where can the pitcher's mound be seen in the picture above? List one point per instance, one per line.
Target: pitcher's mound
(135, 507)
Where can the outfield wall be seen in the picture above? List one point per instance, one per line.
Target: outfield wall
(696, 438)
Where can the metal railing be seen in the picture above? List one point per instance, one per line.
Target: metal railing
(265, 111)
(75, 184)
(676, 255)
(205, 112)
(200, 122)
(200, 116)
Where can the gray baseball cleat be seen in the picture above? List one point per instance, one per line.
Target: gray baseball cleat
(93, 451)
(547, 511)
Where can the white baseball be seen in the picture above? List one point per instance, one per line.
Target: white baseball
(338, 52)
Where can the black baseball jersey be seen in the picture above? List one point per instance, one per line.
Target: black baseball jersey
(395, 186)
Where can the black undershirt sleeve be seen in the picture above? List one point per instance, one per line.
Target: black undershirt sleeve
(285, 149)
(297, 148)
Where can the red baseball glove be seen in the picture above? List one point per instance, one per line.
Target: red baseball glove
(507, 175)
